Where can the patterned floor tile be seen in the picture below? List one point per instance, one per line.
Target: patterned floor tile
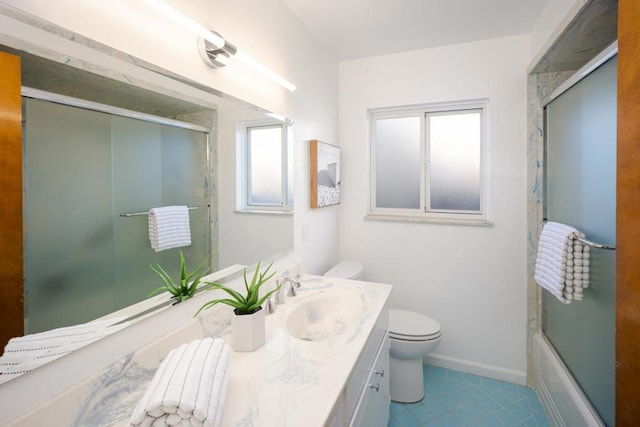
(457, 399)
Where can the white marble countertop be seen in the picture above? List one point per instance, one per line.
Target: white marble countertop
(291, 382)
(287, 382)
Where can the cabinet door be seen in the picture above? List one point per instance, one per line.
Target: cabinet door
(374, 405)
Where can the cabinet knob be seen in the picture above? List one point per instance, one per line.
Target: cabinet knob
(375, 386)
(379, 372)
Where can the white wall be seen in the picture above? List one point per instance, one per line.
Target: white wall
(470, 278)
(316, 119)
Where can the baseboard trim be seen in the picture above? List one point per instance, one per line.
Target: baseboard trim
(490, 371)
(559, 393)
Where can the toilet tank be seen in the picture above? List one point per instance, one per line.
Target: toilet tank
(347, 270)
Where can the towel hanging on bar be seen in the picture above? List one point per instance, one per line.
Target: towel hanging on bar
(562, 262)
(169, 227)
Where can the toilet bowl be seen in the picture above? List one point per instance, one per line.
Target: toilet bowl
(412, 335)
(346, 270)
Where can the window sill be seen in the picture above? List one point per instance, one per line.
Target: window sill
(429, 220)
(263, 212)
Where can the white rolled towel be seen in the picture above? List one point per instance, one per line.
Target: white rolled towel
(189, 387)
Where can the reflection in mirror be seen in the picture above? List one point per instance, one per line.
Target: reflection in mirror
(92, 170)
(83, 169)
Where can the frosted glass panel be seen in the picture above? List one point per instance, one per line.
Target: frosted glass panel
(68, 228)
(581, 191)
(454, 162)
(84, 169)
(398, 163)
(265, 164)
(136, 159)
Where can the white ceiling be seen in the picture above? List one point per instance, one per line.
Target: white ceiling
(360, 28)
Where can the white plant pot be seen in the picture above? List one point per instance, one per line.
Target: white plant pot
(248, 331)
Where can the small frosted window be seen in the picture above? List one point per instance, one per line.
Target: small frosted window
(454, 142)
(398, 163)
(265, 165)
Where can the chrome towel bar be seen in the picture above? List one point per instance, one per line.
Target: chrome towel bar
(590, 243)
(596, 245)
(127, 215)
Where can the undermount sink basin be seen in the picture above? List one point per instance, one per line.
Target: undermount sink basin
(325, 317)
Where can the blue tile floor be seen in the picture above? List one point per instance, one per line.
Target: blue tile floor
(456, 399)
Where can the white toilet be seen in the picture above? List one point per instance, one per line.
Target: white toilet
(412, 335)
(346, 270)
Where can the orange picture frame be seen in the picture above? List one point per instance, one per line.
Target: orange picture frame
(324, 166)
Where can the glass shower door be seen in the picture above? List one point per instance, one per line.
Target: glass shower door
(154, 166)
(68, 226)
(581, 191)
(83, 169)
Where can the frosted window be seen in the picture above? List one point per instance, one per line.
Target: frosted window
(428, 161)
(454, 142)
(266, 177)
(265, 166)
(398, 163)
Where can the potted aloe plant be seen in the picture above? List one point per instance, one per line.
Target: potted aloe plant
(248, 321)
(187, 285)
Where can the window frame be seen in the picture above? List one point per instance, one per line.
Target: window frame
(244, 202)
(424, 213)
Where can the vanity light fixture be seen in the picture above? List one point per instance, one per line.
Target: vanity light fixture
(213, 55)
(214, 50)
(264, 70)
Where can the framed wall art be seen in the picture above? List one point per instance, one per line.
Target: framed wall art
(324, 162)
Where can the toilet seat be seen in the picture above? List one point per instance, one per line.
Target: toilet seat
(402, 337)
(411, 326)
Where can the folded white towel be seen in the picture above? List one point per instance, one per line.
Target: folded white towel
(189, 387)
(169, 227)
(562, 262)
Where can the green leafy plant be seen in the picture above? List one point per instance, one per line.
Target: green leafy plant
(244, 304)
(188, 284)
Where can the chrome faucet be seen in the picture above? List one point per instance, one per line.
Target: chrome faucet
(269, 306)
(290, 291)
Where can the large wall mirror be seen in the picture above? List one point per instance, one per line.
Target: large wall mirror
(77, 160)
